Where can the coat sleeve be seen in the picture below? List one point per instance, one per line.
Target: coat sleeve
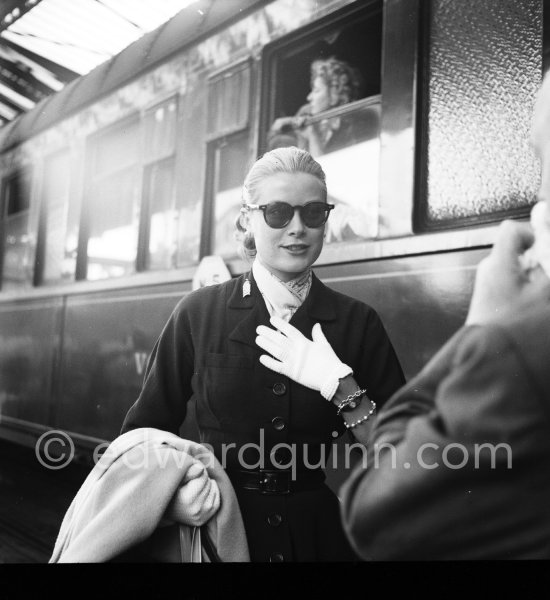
(378, 370)
(167, 383)
(440, 480)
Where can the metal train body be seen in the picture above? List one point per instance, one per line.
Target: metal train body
(114, 189)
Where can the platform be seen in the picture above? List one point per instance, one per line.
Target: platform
(33, 501)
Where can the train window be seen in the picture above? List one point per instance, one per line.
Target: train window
(159, 216)
(479, 92)
(110, 225)
(58, 233)
(229, 100)
(322, 92)
(229, 157)
(16, 256)
(158, 233)
(160, 130)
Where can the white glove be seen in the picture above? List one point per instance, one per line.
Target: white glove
(310, 363)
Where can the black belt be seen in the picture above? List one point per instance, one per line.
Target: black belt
(268, 481)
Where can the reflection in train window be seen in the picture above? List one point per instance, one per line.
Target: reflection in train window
(322, 93)
(17, 249)
(58, 235)
(113, 203)
(159, 218)
(230, 161)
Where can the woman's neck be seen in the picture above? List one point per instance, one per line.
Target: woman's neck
(281, 275)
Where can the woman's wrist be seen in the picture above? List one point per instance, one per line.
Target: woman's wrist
(346, 387)
(353, 404)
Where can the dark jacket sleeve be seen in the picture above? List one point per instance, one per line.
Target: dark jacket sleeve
(379, 370)
(167, 383)
(453, 468)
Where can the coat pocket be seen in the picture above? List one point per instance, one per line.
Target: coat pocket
(229, 389)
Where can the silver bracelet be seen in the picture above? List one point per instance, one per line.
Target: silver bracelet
(350, 401)
(363, 419)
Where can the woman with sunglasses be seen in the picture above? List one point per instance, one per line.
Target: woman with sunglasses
(272, 435)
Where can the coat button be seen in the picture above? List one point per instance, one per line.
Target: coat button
(279, 389)
(278, 423)
(276, 557)
(274, 520)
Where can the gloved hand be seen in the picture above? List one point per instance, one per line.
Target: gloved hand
(197, 499)
(311, 363)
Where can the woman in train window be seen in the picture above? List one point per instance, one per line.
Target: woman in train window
(333, 83)
(271, 433)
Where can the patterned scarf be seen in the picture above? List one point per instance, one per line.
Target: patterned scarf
(282, 298)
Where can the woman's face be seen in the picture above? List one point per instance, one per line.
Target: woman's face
(289, 251)
(319, 97)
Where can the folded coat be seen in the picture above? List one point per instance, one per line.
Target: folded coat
(126, 495)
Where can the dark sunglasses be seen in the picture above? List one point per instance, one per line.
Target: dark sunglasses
(279, 214)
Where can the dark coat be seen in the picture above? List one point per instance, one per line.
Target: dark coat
(447, 496)
(207, 354)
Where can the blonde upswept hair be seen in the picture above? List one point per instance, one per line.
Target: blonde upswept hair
(280, 160)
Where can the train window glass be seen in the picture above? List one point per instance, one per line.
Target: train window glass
(322, 93)
(160, 130)
(17, 248)
(229, 100)
(59, 222)
(480, 88)
(230, 159)
(161, 222)
(113, 203)
(158, 233)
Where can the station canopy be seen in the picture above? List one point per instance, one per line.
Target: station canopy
(45, 44)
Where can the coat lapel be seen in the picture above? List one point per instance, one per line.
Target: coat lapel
(246, 313)
(320, 304)
(318, 308)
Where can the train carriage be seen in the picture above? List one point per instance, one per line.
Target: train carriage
(115, 188)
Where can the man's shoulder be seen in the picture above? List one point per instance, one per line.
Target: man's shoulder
(522, 338)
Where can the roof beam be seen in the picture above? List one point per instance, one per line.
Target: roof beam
(7, 112)
(22, 101)
(23, 79)
(12, 10)
(21, 82)
(62, 73)
(9, 103)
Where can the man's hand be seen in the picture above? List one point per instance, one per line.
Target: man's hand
(501, 282)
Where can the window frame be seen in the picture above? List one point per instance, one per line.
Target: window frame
(27, 173)
(43, 230)
(275, 52)
(81, 271)
(292, 43)
(420, 221)
(213, 142)
(144, 226)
